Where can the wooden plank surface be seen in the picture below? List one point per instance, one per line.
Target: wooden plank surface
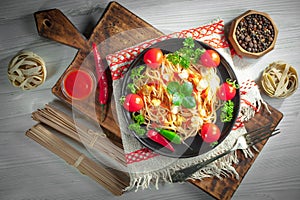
(123, 21)
(28, 171)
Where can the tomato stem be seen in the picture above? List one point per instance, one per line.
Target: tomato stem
(232, 83)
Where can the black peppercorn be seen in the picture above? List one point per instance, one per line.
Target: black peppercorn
(256, 33)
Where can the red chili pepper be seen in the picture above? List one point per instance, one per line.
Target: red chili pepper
(156, 137)
(102, 80)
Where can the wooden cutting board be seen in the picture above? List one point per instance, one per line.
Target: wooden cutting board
(225, 188)
(118, 21)
(118, 28)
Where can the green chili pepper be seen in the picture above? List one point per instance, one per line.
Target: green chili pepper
(170, 135)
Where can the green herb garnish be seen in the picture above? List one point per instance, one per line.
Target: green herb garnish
(189, 102)
(187, 54)
(182, 94)
(173, 87)
(227, 111)
(132, 87)
(122, 100)
(137, 129)
(136, 126)
(189, 43)
(136, 72)
(213, 144)
(177, 99)
(139, 119)
(135, 76)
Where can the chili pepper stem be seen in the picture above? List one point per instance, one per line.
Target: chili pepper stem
(102, 116)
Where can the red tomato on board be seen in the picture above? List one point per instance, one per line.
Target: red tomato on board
(226, 91)
(210, 58)
(153, 58)
(133, 103)
(210, 132)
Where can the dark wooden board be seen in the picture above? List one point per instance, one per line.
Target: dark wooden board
(117, 21)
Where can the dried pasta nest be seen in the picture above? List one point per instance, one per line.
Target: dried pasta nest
(27, 70)
(279, 80)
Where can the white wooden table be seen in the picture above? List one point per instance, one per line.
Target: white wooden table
(29, 171)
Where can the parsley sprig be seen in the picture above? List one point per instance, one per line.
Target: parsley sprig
(136, 74)
(227, 111)
(136, 126)
(186, 55)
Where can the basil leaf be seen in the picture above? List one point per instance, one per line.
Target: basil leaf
(173, 87)
(177, 99)
(189, 102)
(186, 89)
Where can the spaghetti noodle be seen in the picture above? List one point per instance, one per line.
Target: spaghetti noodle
(161, 112)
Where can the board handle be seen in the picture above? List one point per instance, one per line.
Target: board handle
(53, 24)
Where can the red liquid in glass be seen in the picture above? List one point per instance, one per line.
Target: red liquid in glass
(78, 84)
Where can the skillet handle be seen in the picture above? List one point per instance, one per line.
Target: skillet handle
(53, 24)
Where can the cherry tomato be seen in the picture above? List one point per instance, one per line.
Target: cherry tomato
(133, 103)
(226, 91)
(210, 58)
(153, 58)
(210, 132)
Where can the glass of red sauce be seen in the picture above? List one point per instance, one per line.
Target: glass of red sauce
(78, 84)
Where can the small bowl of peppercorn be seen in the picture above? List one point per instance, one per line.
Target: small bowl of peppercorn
(253, 34)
